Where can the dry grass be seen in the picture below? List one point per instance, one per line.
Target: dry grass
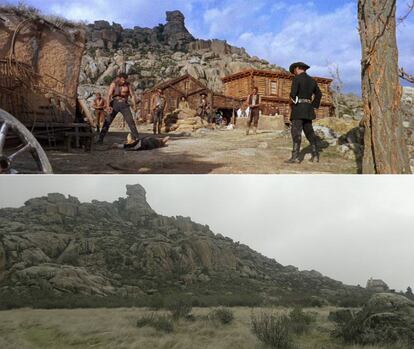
(28, 11)
(116, 328)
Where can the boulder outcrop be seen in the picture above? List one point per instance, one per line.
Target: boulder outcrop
(387, 318)
(152, 55)
(57, 245)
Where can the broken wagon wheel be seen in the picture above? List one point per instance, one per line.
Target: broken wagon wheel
(29, 144)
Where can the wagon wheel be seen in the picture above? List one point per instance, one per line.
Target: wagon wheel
(29, 144)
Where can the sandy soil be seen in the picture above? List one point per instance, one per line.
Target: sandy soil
(204, 152)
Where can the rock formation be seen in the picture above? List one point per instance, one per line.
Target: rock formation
(387, 318)
(55, 245)
(175, 33)
(377, 286)
(158, 54)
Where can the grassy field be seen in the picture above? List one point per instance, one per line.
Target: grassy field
(117, 328)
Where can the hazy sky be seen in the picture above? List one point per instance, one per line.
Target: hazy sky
(349, 228)
(322, 32)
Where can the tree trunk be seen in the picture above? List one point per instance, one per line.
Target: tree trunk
(385, 147)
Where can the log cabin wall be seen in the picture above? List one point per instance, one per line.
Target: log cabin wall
(188, 87)
(274, 87)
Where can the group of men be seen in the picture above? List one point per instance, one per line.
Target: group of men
(305, 96)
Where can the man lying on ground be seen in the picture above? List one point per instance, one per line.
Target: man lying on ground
(146, 143)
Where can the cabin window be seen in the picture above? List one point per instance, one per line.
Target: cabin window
(273, 88)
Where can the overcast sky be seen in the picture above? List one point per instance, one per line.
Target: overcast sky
(348, 228)
(322, 33)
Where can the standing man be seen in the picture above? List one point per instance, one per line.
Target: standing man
(204, 108)
(253, 102)
(306, 97)
(160, 106)
(117, 101)
(99, 105)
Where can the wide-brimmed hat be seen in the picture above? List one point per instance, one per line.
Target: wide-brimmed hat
(298, 65)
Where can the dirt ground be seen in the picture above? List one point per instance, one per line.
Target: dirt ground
(202, 152)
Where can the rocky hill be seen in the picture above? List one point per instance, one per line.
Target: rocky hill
(157, 54)
(55, 246)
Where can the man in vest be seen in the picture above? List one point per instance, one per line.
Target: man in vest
(204, 108)
(253, 102)
(306, 97)
(159, 103)
(117, 101)
(99, 105)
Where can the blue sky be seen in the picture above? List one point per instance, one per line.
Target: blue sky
(322, 33)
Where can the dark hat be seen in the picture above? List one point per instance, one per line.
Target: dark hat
(298, 65)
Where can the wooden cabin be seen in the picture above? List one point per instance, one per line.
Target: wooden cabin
(190, 88)
(39, 67)
(274, 87)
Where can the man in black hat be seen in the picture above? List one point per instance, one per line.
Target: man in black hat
(306, 97)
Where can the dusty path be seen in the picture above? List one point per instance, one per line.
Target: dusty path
(205, 152)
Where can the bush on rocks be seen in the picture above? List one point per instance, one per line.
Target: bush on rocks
(386, 318)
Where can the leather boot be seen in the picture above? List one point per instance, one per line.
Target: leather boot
(255, 130)
(295, 154)
(315, 154)
(247, 131)
(104, 131)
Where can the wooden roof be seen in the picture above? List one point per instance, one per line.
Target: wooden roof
(267, 73)
(165, 84)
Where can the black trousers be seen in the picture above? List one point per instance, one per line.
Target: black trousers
(158, 117)
(123, 108)
(254, 117)
(146, 143)
(303, 125)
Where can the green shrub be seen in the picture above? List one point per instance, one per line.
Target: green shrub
(107, 80)
(224, 316)
(379, 329)
(180, 308)
(135, 70)
(156, 302)
(273, 331)
(341, 316)
(159, 322)
(300, 321)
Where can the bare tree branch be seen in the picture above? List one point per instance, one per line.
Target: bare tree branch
(409, 11)
(405, 76)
